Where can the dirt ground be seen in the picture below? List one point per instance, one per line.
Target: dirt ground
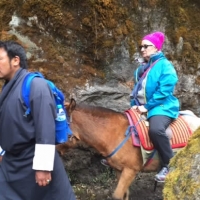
(93, 181)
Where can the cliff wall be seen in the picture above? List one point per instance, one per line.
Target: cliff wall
(89, 47)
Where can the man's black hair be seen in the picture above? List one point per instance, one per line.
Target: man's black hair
(15, 49)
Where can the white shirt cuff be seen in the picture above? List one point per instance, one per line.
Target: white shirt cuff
(2, 152)
(44, 157)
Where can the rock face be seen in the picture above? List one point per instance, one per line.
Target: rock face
(88, 48)
(183, 181)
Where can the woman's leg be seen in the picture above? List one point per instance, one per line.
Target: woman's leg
(159, 138)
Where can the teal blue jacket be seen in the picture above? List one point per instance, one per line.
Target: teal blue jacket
(160, 83)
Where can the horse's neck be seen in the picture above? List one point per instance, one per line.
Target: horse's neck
(103, 131)
(88, 128)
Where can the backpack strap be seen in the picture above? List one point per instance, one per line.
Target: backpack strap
(58, 95)
(26, 85)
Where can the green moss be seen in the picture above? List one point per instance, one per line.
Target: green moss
(179, 183)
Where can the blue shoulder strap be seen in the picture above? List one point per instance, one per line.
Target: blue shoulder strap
(58, 95)
(26, 85)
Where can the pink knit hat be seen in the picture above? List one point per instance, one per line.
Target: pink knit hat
(156, 38)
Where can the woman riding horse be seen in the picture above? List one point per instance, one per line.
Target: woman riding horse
(153, 94)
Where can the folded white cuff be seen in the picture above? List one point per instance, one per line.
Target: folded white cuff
(2, 152)
(44, 157)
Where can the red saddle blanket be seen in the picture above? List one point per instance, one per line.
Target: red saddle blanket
(180, 131)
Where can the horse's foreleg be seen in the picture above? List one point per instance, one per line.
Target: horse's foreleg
(126, 195)
(124, 181)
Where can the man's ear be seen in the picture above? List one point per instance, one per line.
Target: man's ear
(16, 61)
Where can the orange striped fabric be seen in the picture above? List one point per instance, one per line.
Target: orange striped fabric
(180, 130)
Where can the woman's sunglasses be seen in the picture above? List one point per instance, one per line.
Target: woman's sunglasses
(145, 46)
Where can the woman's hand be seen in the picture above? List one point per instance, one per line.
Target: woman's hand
(142, 109)
(134, 107)
(1, 157)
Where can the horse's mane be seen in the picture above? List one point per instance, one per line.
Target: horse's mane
(97, 110)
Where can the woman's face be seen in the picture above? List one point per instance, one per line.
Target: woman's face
(147, 49)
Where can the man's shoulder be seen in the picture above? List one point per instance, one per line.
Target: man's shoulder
(39, 85)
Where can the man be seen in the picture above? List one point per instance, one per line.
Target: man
(31, 168)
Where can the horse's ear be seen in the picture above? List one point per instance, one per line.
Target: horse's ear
(70, 106)
(73, 104)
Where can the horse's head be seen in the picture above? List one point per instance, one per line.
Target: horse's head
(63, 148)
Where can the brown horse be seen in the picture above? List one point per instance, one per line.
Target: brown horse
(104, 129)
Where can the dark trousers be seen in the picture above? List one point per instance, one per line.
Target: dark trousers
(157, 134)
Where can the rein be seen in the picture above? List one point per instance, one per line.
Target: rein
(129, 131)
(127, 134)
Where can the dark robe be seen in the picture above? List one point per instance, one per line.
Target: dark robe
(18, 137)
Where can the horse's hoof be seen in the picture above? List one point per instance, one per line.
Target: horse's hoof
(105, 163)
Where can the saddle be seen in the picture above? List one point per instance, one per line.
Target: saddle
(178, 131)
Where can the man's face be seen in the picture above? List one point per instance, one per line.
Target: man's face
(8, 67)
